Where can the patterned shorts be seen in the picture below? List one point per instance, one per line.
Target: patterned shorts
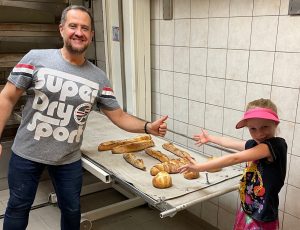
(245, 222)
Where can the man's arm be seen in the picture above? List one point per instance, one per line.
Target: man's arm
(8, 98)
(133, 124)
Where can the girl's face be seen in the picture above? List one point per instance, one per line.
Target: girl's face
(261, 129)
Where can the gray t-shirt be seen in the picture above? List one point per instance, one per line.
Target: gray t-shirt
(60, 97)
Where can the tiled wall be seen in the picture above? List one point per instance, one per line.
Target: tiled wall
(211, 60)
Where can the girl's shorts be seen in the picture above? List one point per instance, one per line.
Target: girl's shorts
(245, 222)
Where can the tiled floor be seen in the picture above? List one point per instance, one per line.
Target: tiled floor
(141, 218)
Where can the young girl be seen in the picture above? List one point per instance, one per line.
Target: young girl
(265, 171)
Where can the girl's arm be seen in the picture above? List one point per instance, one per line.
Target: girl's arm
(258, 152)
(226, 142)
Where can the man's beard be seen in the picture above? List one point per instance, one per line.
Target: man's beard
(75, 51)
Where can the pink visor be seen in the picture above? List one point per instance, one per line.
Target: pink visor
(262, 113)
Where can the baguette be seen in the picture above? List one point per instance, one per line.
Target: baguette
(171, 166)
(178, 152)
(133, 147)
(109, 145)
(131, 159)
(157, 154)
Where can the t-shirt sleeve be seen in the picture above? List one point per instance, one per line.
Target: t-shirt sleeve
(106, 98)
(277, 147)
(22, 74)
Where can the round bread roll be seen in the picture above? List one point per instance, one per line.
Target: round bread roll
(191, 175)
(216, 169)
(162, 180)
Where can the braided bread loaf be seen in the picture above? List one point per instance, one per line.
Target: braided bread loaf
(170, 166)
(191, 175)
(162, 180)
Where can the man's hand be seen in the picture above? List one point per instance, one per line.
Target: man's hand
(158, 127)
(0, 149)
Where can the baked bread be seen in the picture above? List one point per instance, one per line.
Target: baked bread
(157, 154)
(170, 166)
(191, 175)
(133, 147)
(162, 180)
(178, 152)
(216, 169)
(132, 159)
(109, 145)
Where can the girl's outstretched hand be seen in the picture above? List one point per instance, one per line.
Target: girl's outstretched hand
(191, 167)
(201, 138)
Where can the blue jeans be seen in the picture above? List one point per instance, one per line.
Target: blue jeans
(23, 179)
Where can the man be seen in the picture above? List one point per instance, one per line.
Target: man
(61, 86)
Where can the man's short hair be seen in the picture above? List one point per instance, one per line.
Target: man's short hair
(76, 7)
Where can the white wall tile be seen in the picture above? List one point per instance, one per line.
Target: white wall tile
(266, 7)
(154, 80)
(166, 82)
(257, 91)
(166, 32)
(231, 118)
(290, 222)
(264, 31)
(291, 206)
(154, 39)
(214, 118)
(196, 113)
(288, 34)
(286, 131)
(229, 201)
(284, 7)
(241, 8)
(181, 59)
(225, 219)
(181, 85)
(166, 57)
(182, 32)
(287, 107)
(282, 195)
(199, 32)
(215, 89)
(219, 8)
(216, 63)
(197, 87)
(261, 67)
(155, 103)
(209, 213)
(166, 105)
(181, 109)
(155, 57)
(237, 65)
(198, 58)
(182, 128)
(239, 33)
(217, 32)
(154, 9)
(182, 9)
(298, 112)
(199, 9)
(286, 69)
(294, 173)
(235, 94)
(296, 142)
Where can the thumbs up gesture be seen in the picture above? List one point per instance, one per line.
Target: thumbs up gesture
(158, 127)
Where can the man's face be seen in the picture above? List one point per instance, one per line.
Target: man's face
(76, 31)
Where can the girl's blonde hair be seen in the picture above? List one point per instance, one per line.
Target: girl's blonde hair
(262, 103)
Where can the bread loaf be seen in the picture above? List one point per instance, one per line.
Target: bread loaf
(216, 169)
(170, 166)
(109, 145)
(132, 159)
(162, 180)
(178, 152)
(191, 175)
(133, 147)
(157, 155)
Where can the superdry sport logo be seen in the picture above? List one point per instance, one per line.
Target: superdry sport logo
(81, 113)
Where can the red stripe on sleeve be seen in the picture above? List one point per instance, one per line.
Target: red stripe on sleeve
(25, 66)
